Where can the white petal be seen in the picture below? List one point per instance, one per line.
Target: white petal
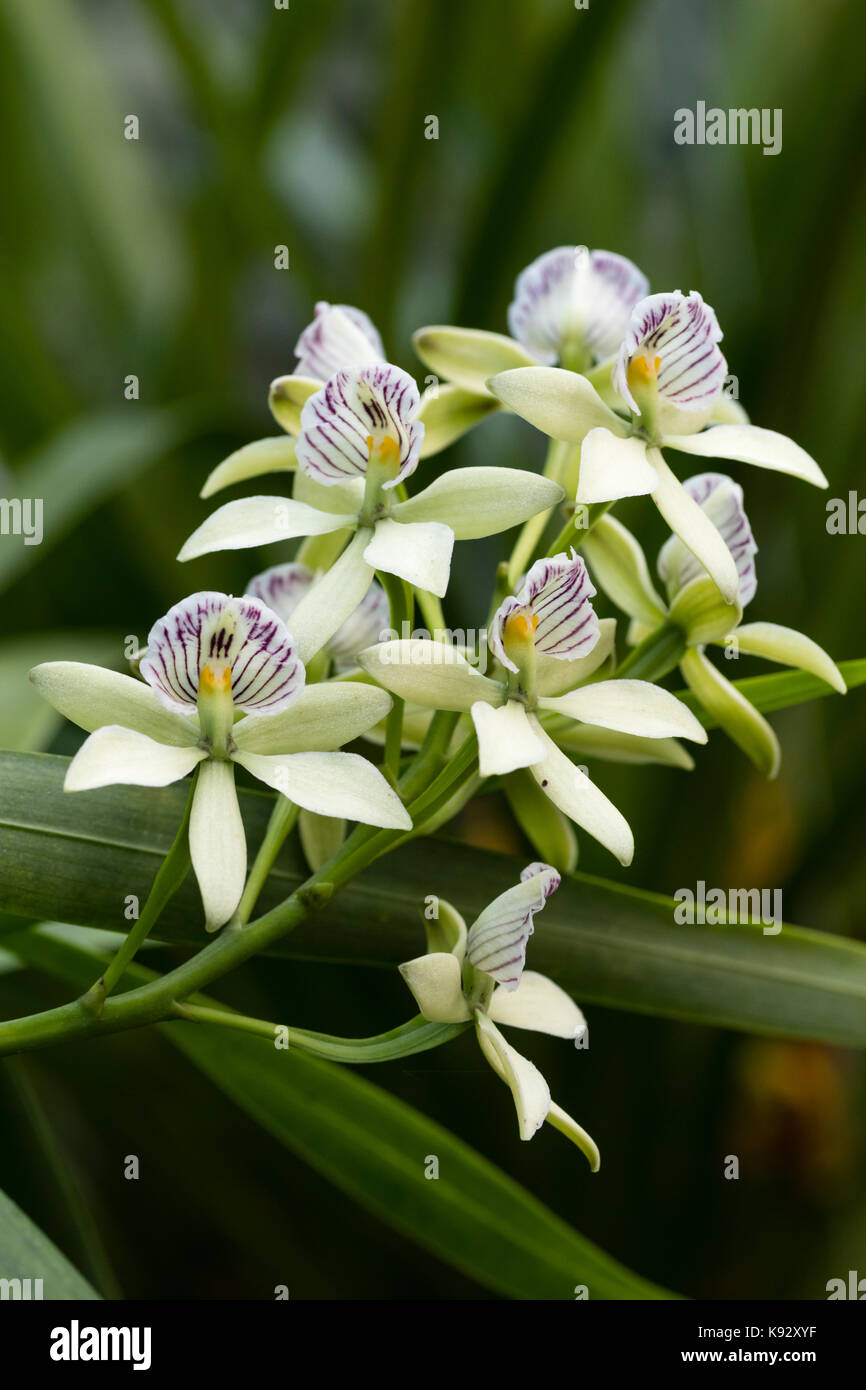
(538, 1004)
(368, 624)
(527, 1085)
(554, 677)
(631, 707)
(435, 981)
(722, 501)
(276, 455)
(331, 784)
(683, 333)
(467, 356)
(286, 399)
(217, 843)
(115, 755)
(259, 521)
(91, 696)
(332, 599)
(561, 403)
(789, 648)
(221, 632)
(591, 741)
(506, 739)
(418, 551)
(571, 298)
(356, 404)
(619, 565)
(695, 530)
(749, 444)
(611, 468)
(447, 412)
(322, 719)
(339, 336)
(497, 939)
(579, 798)
(429, 673)
(481, 501)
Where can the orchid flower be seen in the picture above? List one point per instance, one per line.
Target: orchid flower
(282, 587)
(360, 439)
(669, 377)
(212, 658)
(546, 639)
(570, 306)
(479, 976)
(693, 605)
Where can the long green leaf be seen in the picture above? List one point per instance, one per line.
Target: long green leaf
(26, 1253)
(76, 858)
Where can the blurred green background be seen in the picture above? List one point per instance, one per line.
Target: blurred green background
(304, 127)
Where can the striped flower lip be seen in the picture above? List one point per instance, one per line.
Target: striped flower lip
(217, 633)
(359, 411)
(553, 606)
(671, 344)
(282, 587)
(574, 303)
(339, 336)
(721, 499)
(497, 940)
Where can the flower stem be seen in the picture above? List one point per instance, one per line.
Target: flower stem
(656, 655)
(401, 599)
(418, 1035)
(574, 534)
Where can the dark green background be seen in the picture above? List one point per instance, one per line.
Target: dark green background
(305, 127)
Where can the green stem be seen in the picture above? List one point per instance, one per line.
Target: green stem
(533, 529)
(401, 599)
(431, 612)
(656, 655)
(282, 821)
(574, 534)
(418, 1035)
(170, 876)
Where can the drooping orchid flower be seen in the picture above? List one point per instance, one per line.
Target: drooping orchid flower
(212, 658)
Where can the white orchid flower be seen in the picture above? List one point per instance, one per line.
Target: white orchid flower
(210, 658)
(693, 604)
(282, 587)
(546, 639)
(479, 975)
(360, 438)
(669, 375)
(570, 306)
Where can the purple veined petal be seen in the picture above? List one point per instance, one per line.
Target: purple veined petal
(722, 501)
(339, 336)
(679, 333)
(571, 296)
(356, 404)
(281, 587)
(496, 636)
(558, 593)
(497, 939)
(224, 633)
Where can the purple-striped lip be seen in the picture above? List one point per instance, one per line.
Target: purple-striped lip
(223, 633)
(496, 943)
(682, 333)
(377, 402)
(722, 500)
(557, 593)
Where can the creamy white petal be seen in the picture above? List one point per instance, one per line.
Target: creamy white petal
(448, 411)
(91, 696)
(332, 599)
(435, 981)
(497, 939)
(114, 755)
(631, 707)
(722, 501)
(559, 402)
(506, 739)
(276, 455)
(571, 300)
(578, 797)
(750, 444)
(739, 719)
(538, 1004)
(468, 356)
(417, 551)
(331, 784)
(357, 404)
(259, 521)
(481, 501)
(429, 673)
(220, 632)
(322, 719)
(287, 397)
(554, 677)
(789, 648)
(339, 336)
(694, 528)
(611, 468)
(217, 844)
(619, 566)
(527, 1085)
